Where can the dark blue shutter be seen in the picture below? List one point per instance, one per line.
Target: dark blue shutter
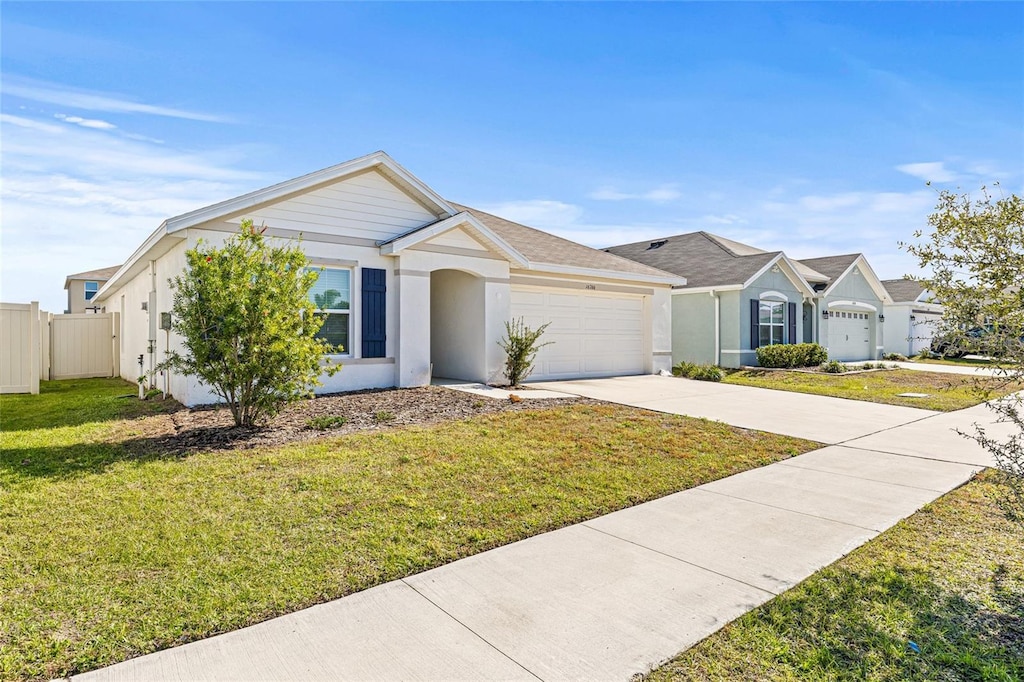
(374, 312)
(755, 330)
(792, 323)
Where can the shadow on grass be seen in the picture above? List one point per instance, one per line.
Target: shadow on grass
(74, 402)
(860, 625)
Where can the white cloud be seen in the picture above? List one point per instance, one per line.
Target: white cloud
(52, 93)
(540, 213)
(79, 197)
(86, 122)
(931, 171)
(660, 194)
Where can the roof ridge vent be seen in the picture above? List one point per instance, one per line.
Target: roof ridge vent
(657, 244)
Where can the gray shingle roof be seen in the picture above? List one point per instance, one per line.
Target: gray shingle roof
(704, 259)
(831, 266)
(903, 289)
(98, 275)
(543, 247)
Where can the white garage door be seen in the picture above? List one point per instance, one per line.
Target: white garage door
(849, 335)
(594, 334)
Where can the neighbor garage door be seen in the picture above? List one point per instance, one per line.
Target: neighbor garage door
(594, 334)
(849, 335)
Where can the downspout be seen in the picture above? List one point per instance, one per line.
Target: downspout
(718, 327)
(152, 323)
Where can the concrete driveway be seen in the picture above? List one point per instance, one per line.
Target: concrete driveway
(818, 418)
(616, 595)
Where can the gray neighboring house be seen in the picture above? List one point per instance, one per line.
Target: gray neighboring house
(83, 286)
(739, 297)
(854, 300)
(912, 318)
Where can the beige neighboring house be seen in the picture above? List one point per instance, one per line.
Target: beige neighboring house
(82, 287)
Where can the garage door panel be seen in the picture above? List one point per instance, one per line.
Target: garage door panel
(593, 334)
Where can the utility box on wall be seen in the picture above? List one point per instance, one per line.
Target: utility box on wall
(165, 321)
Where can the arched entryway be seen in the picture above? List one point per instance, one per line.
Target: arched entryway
(457, 327)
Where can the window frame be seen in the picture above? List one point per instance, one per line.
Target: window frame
(770, 324)
(93, 292)
(349, 312)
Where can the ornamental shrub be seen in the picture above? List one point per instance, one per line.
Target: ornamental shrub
(791, 355)
(834, 367)
(521, 345)
(690, 370)
(247, 324)
(895, 357)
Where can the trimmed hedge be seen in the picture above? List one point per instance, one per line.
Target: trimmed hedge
(698, 372)
(788, 355)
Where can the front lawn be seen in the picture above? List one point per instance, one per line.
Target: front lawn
(950, 579)
(946, 392)
(111, 549)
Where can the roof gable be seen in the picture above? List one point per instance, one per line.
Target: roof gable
(842, 266)
(905, 290)
(310, 183)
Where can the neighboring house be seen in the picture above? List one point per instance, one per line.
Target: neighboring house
(83, 287)
(738, 297)
(854, 300)
(423, 287)
(912, 318)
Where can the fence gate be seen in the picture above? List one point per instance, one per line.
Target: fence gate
(83, 345)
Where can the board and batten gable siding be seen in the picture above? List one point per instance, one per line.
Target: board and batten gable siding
(693, 328)
(367, 207)
(854, 287)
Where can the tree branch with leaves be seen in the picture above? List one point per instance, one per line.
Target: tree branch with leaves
(974, 250)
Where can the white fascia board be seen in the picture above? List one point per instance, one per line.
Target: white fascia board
(792, 274)
(557, 269)
(129, 264)
(705, 290)
(287, 188)
(422, 234)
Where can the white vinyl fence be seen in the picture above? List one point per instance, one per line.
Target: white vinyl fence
(35, 344)
(20, 348)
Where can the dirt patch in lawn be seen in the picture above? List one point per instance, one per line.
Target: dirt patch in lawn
(210, 427)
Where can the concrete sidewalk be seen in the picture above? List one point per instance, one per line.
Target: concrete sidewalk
(616, 595)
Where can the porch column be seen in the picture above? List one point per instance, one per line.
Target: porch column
(412, 349)
(497, 311)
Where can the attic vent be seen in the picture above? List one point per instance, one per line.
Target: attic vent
(657, 245)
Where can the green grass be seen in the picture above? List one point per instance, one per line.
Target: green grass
(950, 578)
(75, 402)
(111, 550)
(969, 362)
(946, 392)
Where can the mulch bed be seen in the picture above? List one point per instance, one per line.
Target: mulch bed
(210, 427)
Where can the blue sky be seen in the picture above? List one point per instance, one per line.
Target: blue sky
(805, 127)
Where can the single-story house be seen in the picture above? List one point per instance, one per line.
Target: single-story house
(854, 300)
(738, 297)
(912, 318)
(82, 288)
(423, 286)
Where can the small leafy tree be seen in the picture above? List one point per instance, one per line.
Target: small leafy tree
(521, 345)
(248, 326)
(975, 252)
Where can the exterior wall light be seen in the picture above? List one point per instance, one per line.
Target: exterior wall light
(824, 314)
(912, 318)
(881, 317)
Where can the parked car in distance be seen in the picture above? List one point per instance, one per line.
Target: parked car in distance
(983, 340)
